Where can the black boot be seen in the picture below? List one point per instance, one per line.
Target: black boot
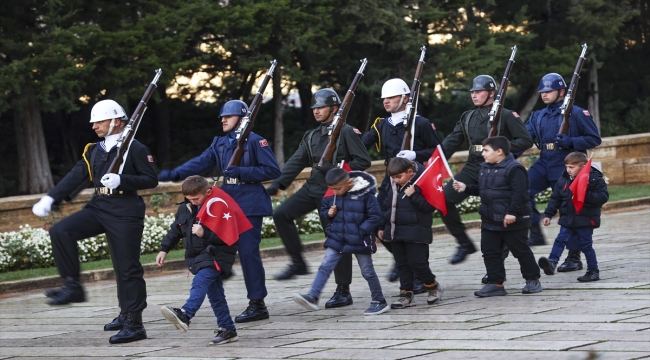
(71, 292)
(393, 275)
(256, 310)
(572, 262)
(418, 286)
(466, 248)
(117, 323)
(341, 297)
(132, 329)
(297, 267)
(536, 237)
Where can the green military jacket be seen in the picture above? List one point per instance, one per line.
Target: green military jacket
(474, 126)
(350, 148)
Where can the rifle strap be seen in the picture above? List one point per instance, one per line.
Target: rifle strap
(92, 158)
(309, 135)
(464, 119)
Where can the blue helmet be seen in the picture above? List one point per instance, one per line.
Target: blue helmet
(234, 107)
(551, 82)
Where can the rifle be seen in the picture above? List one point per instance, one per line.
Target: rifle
(334, 129)
(412, 104)
(126, 138)
(569, 99)
(248, 120)
(497, 105)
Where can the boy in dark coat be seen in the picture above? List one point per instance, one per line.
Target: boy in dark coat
(207, 257)
(353, 214)
(505, 216)
(406, 224)
(580, 225)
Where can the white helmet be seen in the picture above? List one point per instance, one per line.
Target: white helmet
(394, 87)
(107, 109)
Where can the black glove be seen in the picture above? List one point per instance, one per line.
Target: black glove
(273, 188)
(325, 168)
(168, 175)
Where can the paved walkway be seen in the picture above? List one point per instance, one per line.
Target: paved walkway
(609, 319)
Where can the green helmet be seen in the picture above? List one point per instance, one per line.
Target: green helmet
(325, 97)
(483, 82)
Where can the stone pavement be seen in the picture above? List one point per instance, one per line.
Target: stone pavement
(608, 319)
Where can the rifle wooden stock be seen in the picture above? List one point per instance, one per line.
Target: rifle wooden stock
(497, 106)
(569, 98)
(247, 122)
(412, 104)
(340, 117)
(125, 140)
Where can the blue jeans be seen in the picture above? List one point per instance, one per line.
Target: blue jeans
(208, 282)
(367, 271)
(584, 236)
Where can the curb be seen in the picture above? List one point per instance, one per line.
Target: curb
(176, 265)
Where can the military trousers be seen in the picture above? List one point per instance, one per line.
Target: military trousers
(453, 221)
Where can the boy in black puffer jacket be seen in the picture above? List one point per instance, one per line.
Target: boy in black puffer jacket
(581, 225)
(353, 213)
(207, 257)
(505, 216)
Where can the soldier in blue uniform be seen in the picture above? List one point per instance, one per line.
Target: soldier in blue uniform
(115, 209)
(387, 136)
(244, 184)
(544, 127)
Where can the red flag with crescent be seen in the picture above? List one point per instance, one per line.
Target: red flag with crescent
(343, 166)
(431, 180)
(221, 214)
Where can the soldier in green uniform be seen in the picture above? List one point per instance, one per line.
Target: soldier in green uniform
(472, 129)
(325, 104)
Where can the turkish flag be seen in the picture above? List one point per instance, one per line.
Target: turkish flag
(221, 214)
(343, 166)
(579, 187)
(431, 180)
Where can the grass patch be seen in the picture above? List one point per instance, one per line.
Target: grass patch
(625, 192)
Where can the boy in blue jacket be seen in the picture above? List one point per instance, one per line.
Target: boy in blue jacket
(207, 257)
(580, 225)
(354, 214)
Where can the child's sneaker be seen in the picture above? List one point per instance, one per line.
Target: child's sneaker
(406, 299)
(547, 265)
(532, 287)
(435, 294)
(591, 275)
(307, 301)
(177, 317)
(376, 308)
(223, 336)
(491, 290)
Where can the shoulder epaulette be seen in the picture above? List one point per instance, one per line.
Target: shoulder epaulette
(85, 157)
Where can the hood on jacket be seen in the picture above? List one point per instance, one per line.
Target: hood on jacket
(362, 183)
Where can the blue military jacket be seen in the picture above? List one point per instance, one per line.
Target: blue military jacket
(543, 126)
(258, 164)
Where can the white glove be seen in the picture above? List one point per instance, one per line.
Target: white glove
(408, 154)
(42, 207)
(111, 181)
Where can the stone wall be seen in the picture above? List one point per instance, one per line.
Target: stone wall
(624, 159)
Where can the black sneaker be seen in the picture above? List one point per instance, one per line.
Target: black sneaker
(591, 275)
(491, 290)
(376, 308)
(177, 317)
(223, 336)
(307, 301)
(532, 287)
(547, 265)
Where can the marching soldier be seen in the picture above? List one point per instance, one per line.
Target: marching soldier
(115, 209)
(244, 184)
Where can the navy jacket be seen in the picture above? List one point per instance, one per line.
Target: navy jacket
(597, 196)
(543, 126)
(358, 214)
(197, 254)
(413, 214)
(258, 164)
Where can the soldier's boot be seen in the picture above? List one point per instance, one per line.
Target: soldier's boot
(132, 330)
(341, 297)
(256, 310)
(466, 248)
(297, 267)
(117, 323)
(571, 263)
(71, 292)
(536, 237)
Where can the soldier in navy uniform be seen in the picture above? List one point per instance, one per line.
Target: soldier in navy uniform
(387, 136)
(325, 103)
(472, 128)
(115, 209)
(244, 184)
(544, 127)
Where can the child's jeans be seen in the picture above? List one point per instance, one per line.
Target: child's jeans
(584, 236)
(208, 282)
(367, 271)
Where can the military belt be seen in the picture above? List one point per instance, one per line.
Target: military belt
(234, 181)
(476, 148)
(550, 146)
(107, 191)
